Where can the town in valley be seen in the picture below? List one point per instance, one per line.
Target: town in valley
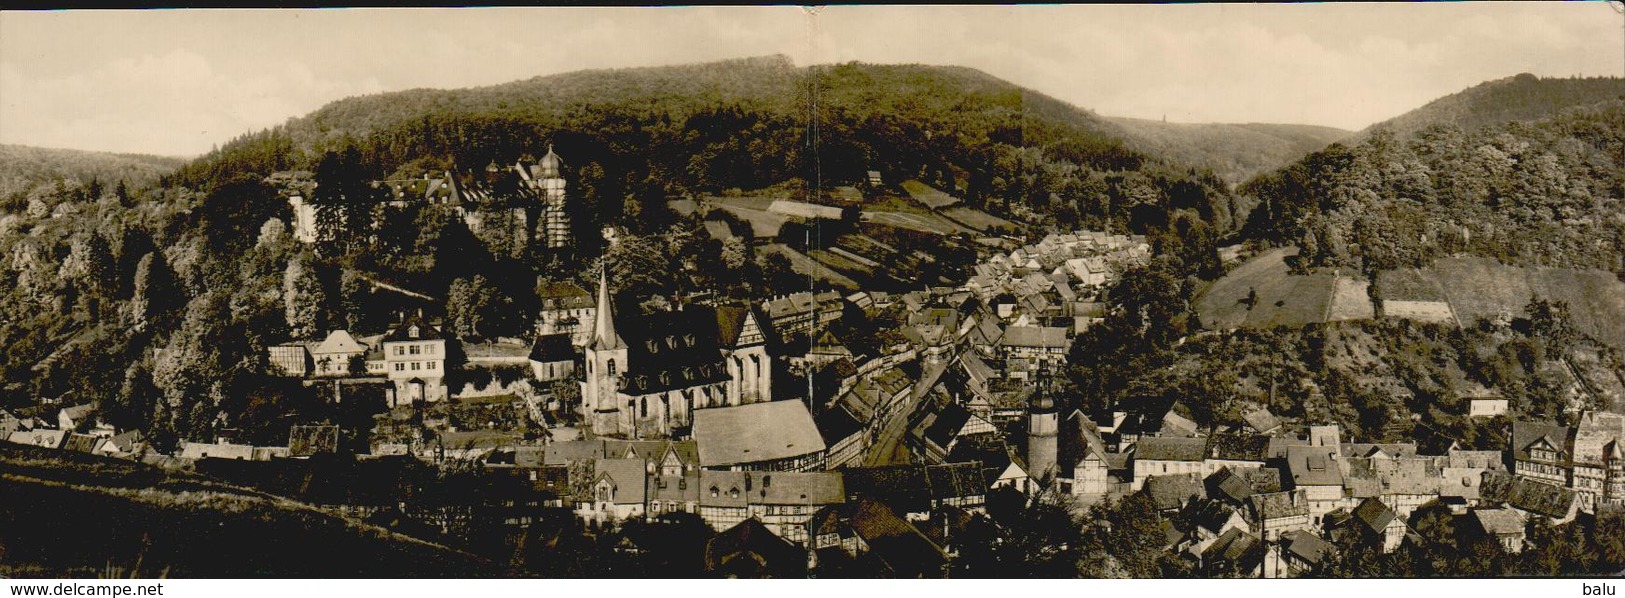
(683, 322)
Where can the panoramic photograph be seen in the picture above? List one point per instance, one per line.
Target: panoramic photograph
(1155, 292)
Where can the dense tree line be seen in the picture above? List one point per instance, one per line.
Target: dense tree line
(1543, 193)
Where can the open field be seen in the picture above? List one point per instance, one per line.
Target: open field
(1284, 299)
(1408, 284)
(930, 196)
(763, 223)
(1483, 288)
(804, 265)
(931, 223)
(841, 263)
(1351, 300)
(977, 219)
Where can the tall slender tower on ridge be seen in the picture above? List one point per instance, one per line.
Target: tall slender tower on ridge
(550, 183)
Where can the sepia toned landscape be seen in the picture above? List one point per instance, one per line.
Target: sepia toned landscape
(794, 314)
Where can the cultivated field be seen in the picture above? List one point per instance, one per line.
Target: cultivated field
(930, 196)
(1284, 299)
(977, 219)
(930, 223)
(805, 265)
(763, 223)
(1408, 284)
(1483, 288)
(1351, 300)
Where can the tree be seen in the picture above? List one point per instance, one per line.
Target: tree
(1039, 539)
(353, 294)
(471, 307)
(1550, 320)
(156, 298)
(303, 298)
(90, 268)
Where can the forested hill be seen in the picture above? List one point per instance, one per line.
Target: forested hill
(739, 123)
(1524, 97)
(24, 169)
(1548, 193)
(1235, 152)
(746, 124)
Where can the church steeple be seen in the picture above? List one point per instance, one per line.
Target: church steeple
(604, 337)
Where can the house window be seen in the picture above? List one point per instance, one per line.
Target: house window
(416, 366)
(400, 367)
(414, 350)
(429, 365)
(612, 368)
(428, 349)
(399, 350)
(643, 407)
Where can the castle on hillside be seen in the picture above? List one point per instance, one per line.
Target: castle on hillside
(646, 376)
(537, 188)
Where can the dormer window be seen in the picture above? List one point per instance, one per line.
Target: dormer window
(713, 492)
(412, 332)
(733, 492)
(653, 346)
(671, 341)
(688, 340)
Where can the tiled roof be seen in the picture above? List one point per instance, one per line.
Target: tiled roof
(755, 433)
(1374, 515)
(629, 477)
(1261, 420)
(1173, 491)
(552, 348)
(789, 488)
(1534, 497)
(402, 331)
(339, 341)
(1164, 448)
(1527, 434)
(1237, 446)
(1313, 466)
(1306, 546)
(1227, 484)
(1499, 521)
(1035, 336)
(750, 549)
(1275, 505)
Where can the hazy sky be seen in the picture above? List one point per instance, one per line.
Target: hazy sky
(178, 81)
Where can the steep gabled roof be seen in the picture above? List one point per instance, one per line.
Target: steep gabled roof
(339, 341)
(552, 348)
(1374, 515)
(750, 549)
(1173, 491)
(1526, 495)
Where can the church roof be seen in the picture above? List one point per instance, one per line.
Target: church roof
(668, 350)
(604, 337)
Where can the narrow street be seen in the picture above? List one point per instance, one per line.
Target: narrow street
(889, 448)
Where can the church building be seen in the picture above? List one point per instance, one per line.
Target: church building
(645, 376)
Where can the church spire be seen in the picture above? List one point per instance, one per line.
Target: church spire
(604, 337)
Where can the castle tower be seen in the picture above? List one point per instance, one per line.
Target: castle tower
(1043, 438)
(550, 184)
(605, 360)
